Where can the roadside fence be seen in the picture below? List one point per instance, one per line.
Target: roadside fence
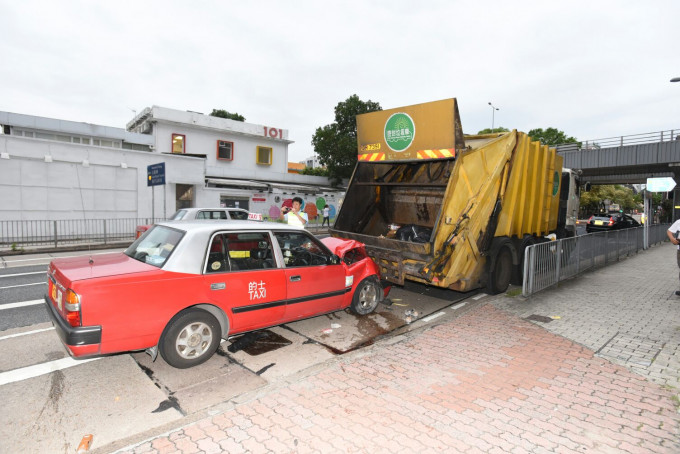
(547, 264)
(16, 235)
(19, 234)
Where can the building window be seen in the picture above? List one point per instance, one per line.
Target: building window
(264, 155)
(179, 143)
(225, 150)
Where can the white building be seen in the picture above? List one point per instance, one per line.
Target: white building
(56, 169)
(312, 162)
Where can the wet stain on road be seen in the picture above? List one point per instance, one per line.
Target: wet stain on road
(258, 342)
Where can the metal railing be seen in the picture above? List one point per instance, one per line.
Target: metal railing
(19, 234)
(16, 235)
(547, 264)
(620, 141)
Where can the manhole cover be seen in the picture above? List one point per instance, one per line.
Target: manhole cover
(539, 318)
(258, 342)
(632, 349)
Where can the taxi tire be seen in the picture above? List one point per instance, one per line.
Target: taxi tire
(187, 322)
(366, 297)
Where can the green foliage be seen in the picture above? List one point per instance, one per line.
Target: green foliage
(317, 171)
(593, 200)
(225, 114)
(336, 143)
(490, 131)
(551, 136)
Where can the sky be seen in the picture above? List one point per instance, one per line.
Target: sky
(593, 69)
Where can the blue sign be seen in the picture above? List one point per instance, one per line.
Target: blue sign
(155, 174)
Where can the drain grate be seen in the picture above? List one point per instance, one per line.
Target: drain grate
(632, 349)
(539, 318)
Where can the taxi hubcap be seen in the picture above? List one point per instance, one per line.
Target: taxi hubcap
(368, 296)
(194, 340)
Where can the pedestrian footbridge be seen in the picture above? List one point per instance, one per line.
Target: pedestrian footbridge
(626, 159)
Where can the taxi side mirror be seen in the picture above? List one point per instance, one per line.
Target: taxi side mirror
(333, 260)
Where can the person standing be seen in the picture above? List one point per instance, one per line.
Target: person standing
(672, 235)
(326, 216)
(294, 216)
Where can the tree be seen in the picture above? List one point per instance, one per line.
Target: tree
(336, 143)
(593, 200)
(317, 171)
(491, 131)
(225, 114)
(551, 136)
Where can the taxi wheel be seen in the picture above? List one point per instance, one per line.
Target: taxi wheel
(366, 297)
(190, 339)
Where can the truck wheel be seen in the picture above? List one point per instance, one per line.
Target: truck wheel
(366, 297)
(501, 273)
(190, 339)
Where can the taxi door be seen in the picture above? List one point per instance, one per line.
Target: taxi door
(314, 285)
(244, 281)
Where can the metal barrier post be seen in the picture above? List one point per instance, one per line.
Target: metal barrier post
(55, 233)
(104, 222)
(558, 265)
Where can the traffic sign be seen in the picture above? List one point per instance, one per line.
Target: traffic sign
(660, 184)
(155, 174)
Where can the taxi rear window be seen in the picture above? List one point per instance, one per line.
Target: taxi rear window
(155, 247)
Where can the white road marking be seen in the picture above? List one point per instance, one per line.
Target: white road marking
(433, 316)
(481, 295)
(21, 304)
(22, 285)
(37, 370)
(23, 274)
(35, 331)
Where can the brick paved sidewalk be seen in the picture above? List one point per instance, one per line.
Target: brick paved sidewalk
(485, 382)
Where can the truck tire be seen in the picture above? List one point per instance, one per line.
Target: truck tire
(518, 275)
(190, 338)
(500, 272)
(366, 297)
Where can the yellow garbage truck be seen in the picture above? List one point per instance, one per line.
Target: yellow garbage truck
(436, 206)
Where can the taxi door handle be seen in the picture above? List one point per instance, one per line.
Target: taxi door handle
(218, 286)
(295, 278)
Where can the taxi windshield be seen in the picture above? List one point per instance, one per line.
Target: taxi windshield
(156, 246)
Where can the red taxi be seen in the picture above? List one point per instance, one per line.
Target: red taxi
(183, 286)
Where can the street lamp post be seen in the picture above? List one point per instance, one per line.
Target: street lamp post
(493, 112)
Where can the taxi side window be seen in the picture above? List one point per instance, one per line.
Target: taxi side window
(250, 251)
(211, 215)
(240, 215)
(301, 249)
(218, 261)
(239, 252)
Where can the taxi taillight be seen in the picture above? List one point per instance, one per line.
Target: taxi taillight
(611, 221)
(72, 308)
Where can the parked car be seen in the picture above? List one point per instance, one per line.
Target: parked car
(190, 214)
(183, 286)
(606, 222)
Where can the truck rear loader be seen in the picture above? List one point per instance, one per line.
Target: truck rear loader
(435, 206)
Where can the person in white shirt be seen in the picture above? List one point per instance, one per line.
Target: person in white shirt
(326, 216)
(672, 235)
(294, 216)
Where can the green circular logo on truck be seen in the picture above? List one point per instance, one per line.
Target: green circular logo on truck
(399, 131)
